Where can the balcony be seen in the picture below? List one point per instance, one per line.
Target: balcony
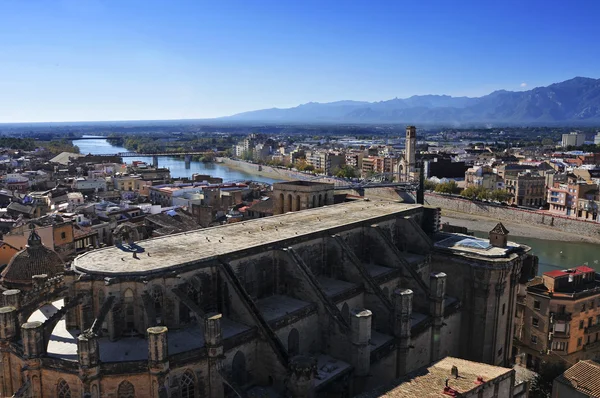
(593, 329)
(562, 316)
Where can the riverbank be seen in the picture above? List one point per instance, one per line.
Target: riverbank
(269, 172)
(485, 224)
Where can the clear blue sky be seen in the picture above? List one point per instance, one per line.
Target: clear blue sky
(85, 60)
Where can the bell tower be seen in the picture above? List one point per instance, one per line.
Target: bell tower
(410, 151)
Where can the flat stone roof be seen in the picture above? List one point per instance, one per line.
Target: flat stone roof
(174, 251)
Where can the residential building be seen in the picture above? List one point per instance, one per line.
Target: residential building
(564, 198)
(597, 138)
(483, 177)
(573, 139)
(579, 381)
(354, 159)
(559, 317)
(526, 188)
(326, 161)
(389, 167)
(89, 184)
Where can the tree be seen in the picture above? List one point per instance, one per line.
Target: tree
(500, 195)
(474, 192)
(345, 171)
(541, 387)
(446, 187)
(429, 185)
(547, 142)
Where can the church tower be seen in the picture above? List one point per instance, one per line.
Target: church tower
(410, 152)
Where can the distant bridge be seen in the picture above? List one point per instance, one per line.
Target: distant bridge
(139, 154)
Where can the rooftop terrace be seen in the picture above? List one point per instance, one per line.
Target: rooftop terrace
(175, 251)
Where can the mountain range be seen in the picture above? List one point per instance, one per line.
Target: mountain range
(574, 101)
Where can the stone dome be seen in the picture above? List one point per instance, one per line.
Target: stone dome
(35, 259)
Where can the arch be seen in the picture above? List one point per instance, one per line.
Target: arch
(187, 385)
(297, 202)
(250, 280)
(126, 390)
(289, 202)
(62, 389)
(294, 342)
(238, 368)
(325, 200)
(320, 200)
(128, 306)
(314, 201)
(346, 312)
(281, 203)
(157, 299)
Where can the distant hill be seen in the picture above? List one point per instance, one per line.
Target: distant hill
(574, 101)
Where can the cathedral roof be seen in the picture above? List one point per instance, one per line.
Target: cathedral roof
(35, 259)
(500, 229)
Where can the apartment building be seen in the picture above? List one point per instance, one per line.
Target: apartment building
(326, 161)
(559, 317)
(573, 139)
(527, 189)
(382, 165)
(574, 198)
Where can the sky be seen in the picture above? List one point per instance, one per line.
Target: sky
(93, 60)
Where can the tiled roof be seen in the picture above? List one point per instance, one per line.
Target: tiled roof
(429, 382)
(584, 377)
(500, 229)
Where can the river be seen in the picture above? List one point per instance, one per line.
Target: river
(175, 165)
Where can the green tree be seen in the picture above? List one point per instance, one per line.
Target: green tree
(429, 185)
(474, 192)
(346, 171)
(446, 187)
(547, 141)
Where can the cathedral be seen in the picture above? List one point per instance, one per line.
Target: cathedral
(331, 301)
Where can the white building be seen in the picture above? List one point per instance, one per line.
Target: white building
(89, 184)
(573, 139)
(597, 139)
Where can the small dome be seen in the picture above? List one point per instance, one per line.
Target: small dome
(35, 259)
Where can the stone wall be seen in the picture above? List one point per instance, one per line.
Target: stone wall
(506, 213)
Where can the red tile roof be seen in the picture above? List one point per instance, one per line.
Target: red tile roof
(555, 273)
(584, 268)
(584, 377)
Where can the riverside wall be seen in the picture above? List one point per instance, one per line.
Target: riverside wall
(501, 213)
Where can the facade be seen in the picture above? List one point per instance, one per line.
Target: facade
(564, 198)
(527, 189)
(559, 317)
(330, 302)
(325, 160)
(300, 195)
(89, 184)
(573, 139)
(483, 177)
(388, 166)
(579, 381)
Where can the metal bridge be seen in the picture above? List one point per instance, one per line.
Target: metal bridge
(141, 154)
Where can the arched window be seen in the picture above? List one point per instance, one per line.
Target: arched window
(125, 390)
(314, 200)
(157, 298)
(289, 203)
(238, 368)
(320, 200)
(129, 310)
(250, 280)
(281, 203)
(325, 200)
(297, 202)
(63, 390)
(187, 385)
(100, 299)
(346, 312)
(294, 342)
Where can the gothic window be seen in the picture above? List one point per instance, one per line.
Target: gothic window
(293, 342)
(187, 385)
(250, 280)
(157, 298)
(63, 390)
(129, 310)
(346, 312)
(126, 390)
(238, 368)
